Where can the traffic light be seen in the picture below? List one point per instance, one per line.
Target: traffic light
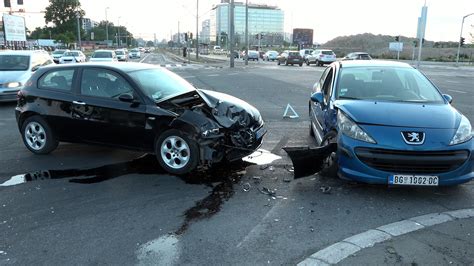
(20, 2)
(461, 41)
(185, 36)
(423, 41)
(397, 38)
(191, 35)
(7, 3)
(415, 43)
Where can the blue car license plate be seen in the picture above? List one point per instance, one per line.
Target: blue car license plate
(413, 180)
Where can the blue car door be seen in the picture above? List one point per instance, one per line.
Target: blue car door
(322, 113)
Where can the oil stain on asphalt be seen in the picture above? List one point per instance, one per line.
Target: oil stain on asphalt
(221, 178)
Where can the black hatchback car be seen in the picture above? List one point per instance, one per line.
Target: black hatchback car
(136, 106)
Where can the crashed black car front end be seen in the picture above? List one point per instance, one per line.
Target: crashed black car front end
(225, 127)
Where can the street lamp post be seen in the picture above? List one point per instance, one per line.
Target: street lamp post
(107, 26)
(246, 32)
(460, 36)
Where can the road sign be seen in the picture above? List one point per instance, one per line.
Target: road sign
(396, 46)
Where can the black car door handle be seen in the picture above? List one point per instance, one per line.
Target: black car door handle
(79, 102)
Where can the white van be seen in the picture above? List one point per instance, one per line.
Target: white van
(16, 67)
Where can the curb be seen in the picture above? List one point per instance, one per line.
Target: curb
(351, 245)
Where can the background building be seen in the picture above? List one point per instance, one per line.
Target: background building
(88, 24)
(204, 35)
(265, 19)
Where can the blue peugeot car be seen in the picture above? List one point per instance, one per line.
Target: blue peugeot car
(391, 126)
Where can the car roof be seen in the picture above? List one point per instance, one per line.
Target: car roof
(372, 63)
(103, 51)
(125, 67)
(23, 52)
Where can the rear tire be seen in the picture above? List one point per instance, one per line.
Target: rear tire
(286, 62)
(307, 62)
(330, 163)
(301, 64)
(176, 152)
(278, 63)
(38, 136)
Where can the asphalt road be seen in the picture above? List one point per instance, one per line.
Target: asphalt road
(111, 206)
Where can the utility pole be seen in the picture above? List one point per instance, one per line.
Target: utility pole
(231, 29)
(78, 16)
(118, 32)
(246, 32)
(179, 37)
(197, 29)
(421, 31)
(460, 36)
(107, 26)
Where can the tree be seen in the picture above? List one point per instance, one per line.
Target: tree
(63, 13)
(150, 44)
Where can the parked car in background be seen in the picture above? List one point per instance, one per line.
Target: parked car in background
(391, 124)
(134, 53)
(121, 55)
(305, 53)
(321, 57)
(236, 54)
(103, 56)
(290, 58)
(16, 67)
(74, 56)
(147, 50)
(270, 55)
(140, 107)
(57, 54)
(357, 56)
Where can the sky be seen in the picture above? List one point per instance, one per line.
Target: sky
(328, 19)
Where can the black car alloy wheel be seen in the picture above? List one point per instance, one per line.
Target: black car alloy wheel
(38, 136)
(330, 163)
(176, 152)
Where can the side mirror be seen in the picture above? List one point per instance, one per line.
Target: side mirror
(448, 98)
(33, 69)
(126, 97)
(317, 97)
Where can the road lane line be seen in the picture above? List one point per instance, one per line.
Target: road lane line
(339, 251)
(213, 75)
(141, 61)
(462, 92)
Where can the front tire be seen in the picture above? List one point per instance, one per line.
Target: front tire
(330, 167)
(38, 136)
(176, 152)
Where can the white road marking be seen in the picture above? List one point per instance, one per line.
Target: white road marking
(462, 92)
(339, 251)
(141, 61)
(232, 74)
(14, 180)
(213, 75)
(188, 77)
(162, 251)
(261, 157)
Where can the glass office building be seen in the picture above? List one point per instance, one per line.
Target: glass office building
(263, 19)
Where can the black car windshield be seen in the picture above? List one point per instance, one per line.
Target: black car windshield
(71, 54)
(59, 52)
(327, 52)
(14, 62)
(102, 55)
(160, 84)
(386, 83)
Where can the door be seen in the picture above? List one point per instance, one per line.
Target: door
(105, 119)
(320, 111)
(55, 101)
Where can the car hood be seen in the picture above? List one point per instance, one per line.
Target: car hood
(441, 116)
(14, 76)
(230, 111)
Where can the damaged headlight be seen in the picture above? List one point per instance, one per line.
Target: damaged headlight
(464, 132)
(349, 128)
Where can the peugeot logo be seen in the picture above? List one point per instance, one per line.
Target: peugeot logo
(413, 137)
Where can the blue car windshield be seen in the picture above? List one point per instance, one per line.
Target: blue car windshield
(160, 84)
(396, 84)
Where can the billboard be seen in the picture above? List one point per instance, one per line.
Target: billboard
(395, 46)
(14, 28)
(303, 36)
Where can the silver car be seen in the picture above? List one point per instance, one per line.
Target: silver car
(320, 57)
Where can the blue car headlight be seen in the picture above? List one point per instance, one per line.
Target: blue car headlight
(12, 85)
(464, 132)
(351, 129)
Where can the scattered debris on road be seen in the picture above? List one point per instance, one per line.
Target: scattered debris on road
(325, 189)
(267, 191)
(246, 187)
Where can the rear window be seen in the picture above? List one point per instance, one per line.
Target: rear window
(327, 52)
(60, 80)
(10, 62)
(119, 52)
(293, 53)
(102, 55)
